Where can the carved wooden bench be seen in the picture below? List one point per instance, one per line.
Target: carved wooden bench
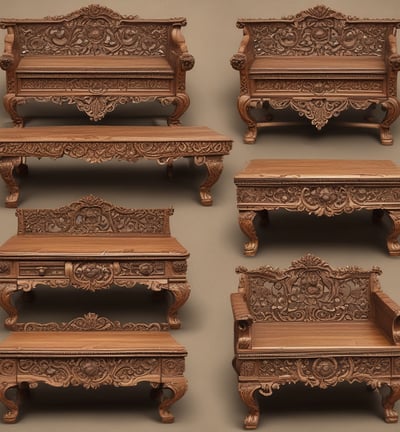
(92, 351)
(102, 143)
(93, 245)
(96, 59)
(318, 63)
(319, 187)
(314, 325)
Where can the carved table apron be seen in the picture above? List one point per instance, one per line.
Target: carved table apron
(91, 359)
(103, 143)
(92, 264)
(320, 187)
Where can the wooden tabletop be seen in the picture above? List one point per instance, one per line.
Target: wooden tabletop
(96, 133)
(91, 246)
(319, 169)
(20, 344)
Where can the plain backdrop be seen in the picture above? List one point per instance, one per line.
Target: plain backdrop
(212, 234)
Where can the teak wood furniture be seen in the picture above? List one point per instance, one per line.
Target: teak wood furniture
(314, 325)
(102, 143)
(96, 59)
(90, 352)
(318, 63)
(93, 245)
(319, 187)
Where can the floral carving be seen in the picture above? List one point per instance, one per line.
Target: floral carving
(92, 275)
(319, 31)
(309, 290)
(179, 267)
(138, 268)
(89, 372)
(92, 215)
(5, 267)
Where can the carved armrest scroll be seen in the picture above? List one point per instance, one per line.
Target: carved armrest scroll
(186, 60)
(243, 321)
(394, 57)
(239, 60)
(7, 59)
(387, 315)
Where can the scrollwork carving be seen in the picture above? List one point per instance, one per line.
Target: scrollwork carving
(92, 276)
(92, 215)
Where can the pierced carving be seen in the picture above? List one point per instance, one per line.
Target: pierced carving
(92, 215)
(309, 290)
(90, 322)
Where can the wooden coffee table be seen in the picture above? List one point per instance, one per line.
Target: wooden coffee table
(93, 245)
(91, 359)
(320, 187)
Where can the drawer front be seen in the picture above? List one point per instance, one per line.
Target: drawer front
(41, 269)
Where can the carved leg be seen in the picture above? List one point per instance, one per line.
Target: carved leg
(391, 415)
(178, 388)
(244, 103)
(246, 223)
(246, 391)
(181, 102)
(7, 165)
(214, 167)
(12, 408)
(393, 244)
(6, 292)
(181, 292)
(392, 107)
(10, 105)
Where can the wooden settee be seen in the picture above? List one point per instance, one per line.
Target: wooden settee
(314, 325)
(318, 63)
(96, 59)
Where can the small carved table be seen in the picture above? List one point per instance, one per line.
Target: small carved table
(91, 359)
(103, 143)
(93, 245)
(320, 187)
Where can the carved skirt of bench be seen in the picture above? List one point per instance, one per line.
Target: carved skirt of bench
(103, 143)
(319, 187)
(92, 359)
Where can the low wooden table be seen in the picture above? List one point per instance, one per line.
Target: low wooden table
(320, 187)
(103, 143)
(93, 245)
(92, 359)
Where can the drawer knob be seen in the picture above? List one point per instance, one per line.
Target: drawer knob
(42, 271)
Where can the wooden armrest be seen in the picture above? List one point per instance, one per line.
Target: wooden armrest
(187, 61)
(387, 315)
(238, 61)
(6, 61)
(243, 321)
(394, 61)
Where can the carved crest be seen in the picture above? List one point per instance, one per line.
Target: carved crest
(309, 290)
(90, 216)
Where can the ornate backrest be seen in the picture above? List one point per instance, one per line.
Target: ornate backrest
(319, 31)
(92, 30)
(309, 290)
(93, 216)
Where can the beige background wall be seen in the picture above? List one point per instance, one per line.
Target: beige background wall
(211, 235)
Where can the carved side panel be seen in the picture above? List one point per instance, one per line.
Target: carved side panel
(92, 215)
(93, 30)
(310, 290)
(88, 372)
(319, 31)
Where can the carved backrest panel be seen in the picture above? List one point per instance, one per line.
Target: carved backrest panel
(93, 216)
(320, 31)
(90, 322)
(309, 290)
(94, 30)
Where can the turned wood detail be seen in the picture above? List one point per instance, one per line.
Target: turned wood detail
(298, 325)
(318, 63)
(153, 51)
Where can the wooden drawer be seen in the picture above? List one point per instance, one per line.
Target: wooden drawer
(41, 269)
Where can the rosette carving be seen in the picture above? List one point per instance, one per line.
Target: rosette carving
(92, 276)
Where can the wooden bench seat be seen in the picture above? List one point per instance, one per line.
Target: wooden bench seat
(318, 63)
(93, 245)
(85, 357)
(96, 59)
(314, 325)
(97, 144)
